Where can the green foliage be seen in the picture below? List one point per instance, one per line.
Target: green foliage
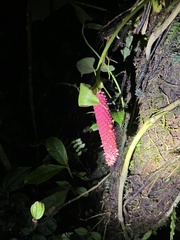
(86, 97)
(119, 116)
(146, 236)
(83, 233)
(81, 14)
(43, 173)
(126, 51)
(37, 210)
(14, 179)
(86, 65)
(173, 224)
(79, 146)
(57, 150)
(174, 32)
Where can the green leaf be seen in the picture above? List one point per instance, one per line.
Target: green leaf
(125, 52)
(86, 97)
(81, 190)
(54, 201)
(81, 231)
(48, 229)
(107, 68)
(37, 210)
(82, 175)
(147, 235)
(85, 65)
(14, 179)
(64, 185)
(57, 150)
(95, 235)
(93, 26)
(81, 14)
(119, 117)
(43, 173)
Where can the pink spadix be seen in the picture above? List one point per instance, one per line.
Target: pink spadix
(106, 129)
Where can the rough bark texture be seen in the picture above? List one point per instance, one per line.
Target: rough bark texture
(153, 182)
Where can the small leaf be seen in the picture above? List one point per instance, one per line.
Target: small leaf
(147, 235)
(91, 128)
(86, 97)
(85, 65)
(107, 68)
(81, 14)
(57, 150)
(82, 175)
(37, 210)
(43, 173)
(119, 117)
(95, 236)
(81, 231)
(125, 52)
(81, 190)
(93, 26)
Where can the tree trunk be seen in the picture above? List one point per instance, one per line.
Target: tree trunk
(143, 186)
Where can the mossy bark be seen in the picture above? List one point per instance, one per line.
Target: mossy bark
(152, 186)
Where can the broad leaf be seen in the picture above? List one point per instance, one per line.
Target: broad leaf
(85, 65)
(81, 231)
(14, 179)
(43, 173)
(81, 14)
(54, 201)
(57, 150)
(107, 68)
(86, 97)
(119, 117)
(95, 236)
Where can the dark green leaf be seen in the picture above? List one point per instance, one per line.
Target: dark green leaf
(93, 26)
(57, 150)
(86, 97)
(85, 65)
(14, 179)
(82, 175)
(81, 14)
(54, 201)
(43, 173)
(95, 236)
(81, 190)
(81, 231)
(48, 228)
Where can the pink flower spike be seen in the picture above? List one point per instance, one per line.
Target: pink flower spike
(106, 130)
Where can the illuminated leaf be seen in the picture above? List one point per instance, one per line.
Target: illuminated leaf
(119, 117)
(85, 65)
(86, 97)
(37, 210)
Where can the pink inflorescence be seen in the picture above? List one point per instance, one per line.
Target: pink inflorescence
(106, 130)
